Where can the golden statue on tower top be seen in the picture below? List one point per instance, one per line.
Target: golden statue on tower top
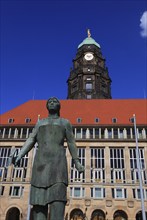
(88, 33)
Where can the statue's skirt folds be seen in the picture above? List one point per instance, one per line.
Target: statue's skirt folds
(43, 196)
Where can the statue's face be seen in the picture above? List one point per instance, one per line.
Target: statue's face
(53, 104)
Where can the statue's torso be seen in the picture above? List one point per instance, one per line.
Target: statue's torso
(50, 164)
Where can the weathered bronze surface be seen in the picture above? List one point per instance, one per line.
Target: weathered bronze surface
(49, 175)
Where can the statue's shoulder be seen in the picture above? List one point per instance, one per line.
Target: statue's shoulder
(65, 122)
(42, 122)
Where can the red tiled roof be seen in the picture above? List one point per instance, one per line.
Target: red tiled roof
(87, 110)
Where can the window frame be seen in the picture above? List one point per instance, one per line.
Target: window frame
(14, 193)
(10, 120)
(97, 164)
(75, 176)
(2, 189)
(27, 120)
(79, 120)
(81, 191)
(93, 192)
(114, 120)
(88, 86)
(115, 193)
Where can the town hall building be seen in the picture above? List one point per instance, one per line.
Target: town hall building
(104, 132)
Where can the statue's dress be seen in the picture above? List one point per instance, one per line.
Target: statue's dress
(49, 174)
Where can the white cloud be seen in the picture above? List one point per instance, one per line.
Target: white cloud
(143, 24)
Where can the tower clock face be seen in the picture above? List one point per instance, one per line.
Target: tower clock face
(88, 56)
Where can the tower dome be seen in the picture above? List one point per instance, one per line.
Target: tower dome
(88, 40)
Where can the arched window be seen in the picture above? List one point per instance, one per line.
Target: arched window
(98, 215)
(13, 213)
(120, 215)
(76, 214)
(139, 215)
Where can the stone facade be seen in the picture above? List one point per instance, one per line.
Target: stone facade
(109, 188)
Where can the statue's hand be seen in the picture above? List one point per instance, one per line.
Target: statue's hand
(16, 160)
(78, 166)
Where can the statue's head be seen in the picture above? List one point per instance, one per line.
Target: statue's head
(53, 105)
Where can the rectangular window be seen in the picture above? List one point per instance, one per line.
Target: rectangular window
(109, 133)
(3, 173)
(137, 194)
(19, 172)
(117, 165)
(97, 120)
(77, 192)
(4, 162)
(121, 134)
(97, 193)
(119, 193)
(75, 176)
(78, 133)
(89, 96)
(27, 120)
(97, 165)
(115, 133)
(16, 191)
(4, 156)
(88, 86)
(114, 120)
(133, 165)
(10, 120)
(79, 120)
(2, 190)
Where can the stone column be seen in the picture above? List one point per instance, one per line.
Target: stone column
(81, 133)
(93, 133)
(125, 133)
(27, 133)
(143, 133)
(107, 165)
(9, 133)
(88, 164)
(87, 133)
(127, 164)
(21, 132)
(4, 130)
(100, 133)
(118, 133)
(106, 133)
(75, 133)
(112, 130)
(131, 133)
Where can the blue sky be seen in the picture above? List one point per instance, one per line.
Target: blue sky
(39, 39)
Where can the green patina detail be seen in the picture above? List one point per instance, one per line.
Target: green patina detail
(89, 40)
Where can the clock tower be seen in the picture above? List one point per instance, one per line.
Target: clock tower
(89, 77)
